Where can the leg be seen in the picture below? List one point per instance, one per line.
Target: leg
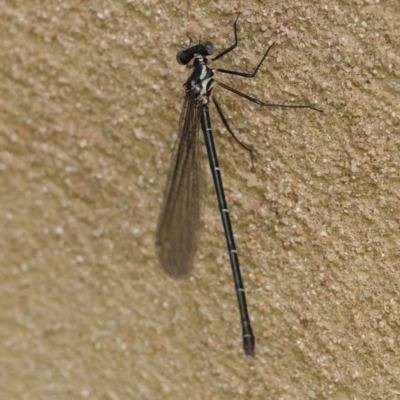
(245, 74)
(226, 51)
(230, 131)
(259, 102)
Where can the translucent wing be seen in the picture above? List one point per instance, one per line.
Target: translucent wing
(179, 221)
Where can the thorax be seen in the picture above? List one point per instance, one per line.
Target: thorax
(200, 81)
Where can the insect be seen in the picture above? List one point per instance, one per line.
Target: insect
(180, 218)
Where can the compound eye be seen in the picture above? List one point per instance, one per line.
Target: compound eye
(210, 48)
(182, 58)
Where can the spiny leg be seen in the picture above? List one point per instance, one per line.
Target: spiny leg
(230, 130)
(245, 74)
(226, 51)
(261, 103)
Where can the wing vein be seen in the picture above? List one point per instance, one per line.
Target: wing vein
(179, 222)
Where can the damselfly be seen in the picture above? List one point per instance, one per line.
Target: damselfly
(179, 222)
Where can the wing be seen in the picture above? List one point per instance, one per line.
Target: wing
(179, 222)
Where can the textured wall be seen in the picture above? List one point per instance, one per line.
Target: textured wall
(90, 95)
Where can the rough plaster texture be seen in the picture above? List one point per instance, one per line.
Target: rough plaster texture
(90, 95)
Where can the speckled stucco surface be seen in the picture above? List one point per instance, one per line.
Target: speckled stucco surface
(90, 95)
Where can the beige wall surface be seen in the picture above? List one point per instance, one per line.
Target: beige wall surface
(90, 97)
